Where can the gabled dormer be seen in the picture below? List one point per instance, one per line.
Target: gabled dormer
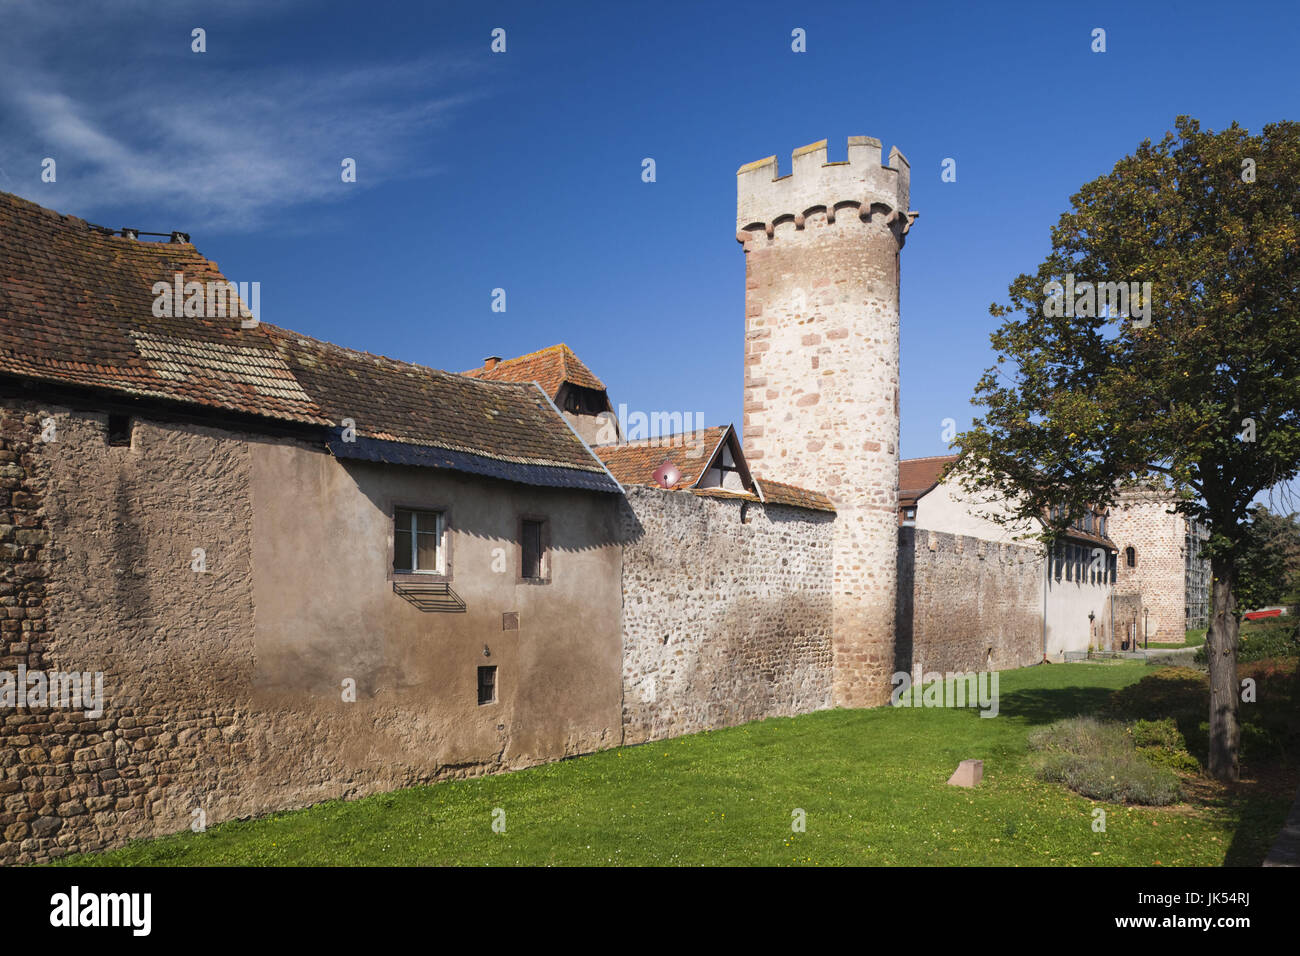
(578, 394)
(726, 468)
(710, 458)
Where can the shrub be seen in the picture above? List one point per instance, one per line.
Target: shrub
(1161, 744)
(1180, 761)
(1270, 725)
(1098, 759)
(1158, 733)
(1169, 692)
(1271, 638)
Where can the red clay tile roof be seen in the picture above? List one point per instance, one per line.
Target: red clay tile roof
(785, 495)
(634, 463)
(724, 493)
(76, 307)
(916, 476)
(392, 400)
(1078, 534)
(549, 368)
(774, 493)
(780, 493)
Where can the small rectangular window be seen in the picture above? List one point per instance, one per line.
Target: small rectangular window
(119, 431)
(533, 544)
(417, 541)
(487, 685)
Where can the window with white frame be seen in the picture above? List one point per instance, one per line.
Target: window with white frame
(417, 542)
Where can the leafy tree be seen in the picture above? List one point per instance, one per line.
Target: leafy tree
(1196, 385)
(1269, 541)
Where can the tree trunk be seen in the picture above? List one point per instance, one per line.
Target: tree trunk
(1221, 651)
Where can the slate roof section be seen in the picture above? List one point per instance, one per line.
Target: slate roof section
(918, 476)
(403, 453)
(549, 367)
(76, 307)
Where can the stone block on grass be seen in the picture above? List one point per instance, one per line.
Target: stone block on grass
(968, 773)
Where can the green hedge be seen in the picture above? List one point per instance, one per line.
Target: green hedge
(1260, 640)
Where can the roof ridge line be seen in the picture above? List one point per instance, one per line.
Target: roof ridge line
(659, 440)
(517, 358)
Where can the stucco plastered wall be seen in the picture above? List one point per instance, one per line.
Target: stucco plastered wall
(1069, 603)
(327, 610)
(175, 647)
(950, 508)
(223, 688)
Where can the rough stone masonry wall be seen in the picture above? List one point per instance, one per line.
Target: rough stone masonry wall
(723, 622)
(960, 598)
(822, 371)
(171, 646)
(22, 629)
(1141, 520)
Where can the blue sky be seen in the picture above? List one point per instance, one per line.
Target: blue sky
(522, 170)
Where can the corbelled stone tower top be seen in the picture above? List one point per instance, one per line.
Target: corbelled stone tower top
(821, 371)
(764, 197)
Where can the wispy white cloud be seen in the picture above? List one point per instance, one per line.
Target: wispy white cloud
(229, 147)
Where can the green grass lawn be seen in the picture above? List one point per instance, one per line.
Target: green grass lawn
(1195, 637)
(871, 782)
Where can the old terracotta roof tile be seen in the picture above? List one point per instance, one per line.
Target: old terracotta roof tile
(76, 308)
(918, 476)
(780, 493)
(550, 368)
(392, 400)
(634, 463)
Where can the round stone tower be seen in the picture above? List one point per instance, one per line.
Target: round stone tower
(821, 371)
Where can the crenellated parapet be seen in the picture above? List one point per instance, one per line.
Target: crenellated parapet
(861, 185)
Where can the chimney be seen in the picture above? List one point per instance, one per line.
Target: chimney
(490, 362)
